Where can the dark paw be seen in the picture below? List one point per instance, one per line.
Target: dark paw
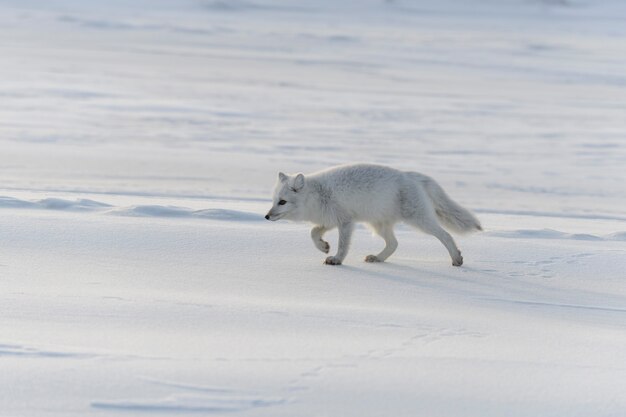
(332, 260)
(372, 258)
(322, 245)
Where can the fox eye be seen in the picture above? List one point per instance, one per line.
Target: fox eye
(282, 202)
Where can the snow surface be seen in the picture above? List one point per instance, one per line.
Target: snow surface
(139, 143)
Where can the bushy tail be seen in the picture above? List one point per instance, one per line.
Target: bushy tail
(450, 213)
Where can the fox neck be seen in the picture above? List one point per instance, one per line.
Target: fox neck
(315, 203)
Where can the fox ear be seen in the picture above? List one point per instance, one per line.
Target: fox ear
(282, 177)
(298, 183)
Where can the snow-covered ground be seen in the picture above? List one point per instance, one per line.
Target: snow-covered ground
(139, 143)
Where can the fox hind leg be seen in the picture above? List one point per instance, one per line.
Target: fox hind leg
(428, 224)
(384, 230)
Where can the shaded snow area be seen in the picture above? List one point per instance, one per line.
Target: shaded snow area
(139, 144)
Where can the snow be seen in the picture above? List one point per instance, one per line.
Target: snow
(139, 145)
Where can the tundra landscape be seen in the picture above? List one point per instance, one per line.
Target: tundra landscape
(139, 145)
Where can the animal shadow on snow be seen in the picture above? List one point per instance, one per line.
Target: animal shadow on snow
(408, 275)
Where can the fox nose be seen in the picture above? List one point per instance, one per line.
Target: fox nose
(267, 217)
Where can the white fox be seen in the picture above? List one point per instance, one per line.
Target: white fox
(380, 196)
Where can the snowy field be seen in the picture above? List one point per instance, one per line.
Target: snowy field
(139, 144)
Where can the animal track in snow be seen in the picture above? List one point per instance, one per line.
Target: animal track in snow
(190, 398)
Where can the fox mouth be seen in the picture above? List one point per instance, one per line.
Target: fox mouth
(274, 217)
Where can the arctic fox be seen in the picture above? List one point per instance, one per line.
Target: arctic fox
(380, 196)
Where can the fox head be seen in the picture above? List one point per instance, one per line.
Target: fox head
(288, 198)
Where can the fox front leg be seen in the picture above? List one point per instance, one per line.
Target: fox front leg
(345, 233)
(316, 234)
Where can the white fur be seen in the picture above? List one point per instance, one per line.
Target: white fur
(374, 194)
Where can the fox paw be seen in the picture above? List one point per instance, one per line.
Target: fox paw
(332, 260)
(372, 258)
(322, 245)
(457, 261)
